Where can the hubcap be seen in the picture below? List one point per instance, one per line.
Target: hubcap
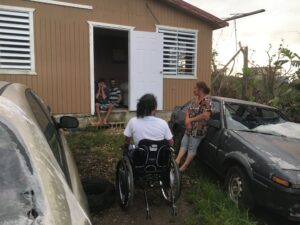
(235, 188)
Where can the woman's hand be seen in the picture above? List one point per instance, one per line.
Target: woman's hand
(188, 124)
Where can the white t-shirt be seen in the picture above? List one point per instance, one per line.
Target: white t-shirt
(149, 127)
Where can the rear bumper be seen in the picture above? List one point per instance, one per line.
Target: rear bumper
(284, 201)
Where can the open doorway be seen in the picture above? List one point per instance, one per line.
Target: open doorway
(133, 58)
(111, 59)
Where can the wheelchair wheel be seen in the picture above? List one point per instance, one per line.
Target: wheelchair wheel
(124, 183)
(171, 188)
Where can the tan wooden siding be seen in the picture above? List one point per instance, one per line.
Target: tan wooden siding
(62, 48)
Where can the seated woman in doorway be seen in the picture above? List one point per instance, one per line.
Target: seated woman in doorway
(115, 95)
(102, 102)
(146, 125)
(196, 118)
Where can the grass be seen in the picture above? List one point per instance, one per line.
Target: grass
(210, 205)
(96, 151)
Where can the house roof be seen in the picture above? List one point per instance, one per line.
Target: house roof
(212, 20)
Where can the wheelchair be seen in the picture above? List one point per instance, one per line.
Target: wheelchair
(149, 165)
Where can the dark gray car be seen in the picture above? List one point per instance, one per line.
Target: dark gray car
(256, 149)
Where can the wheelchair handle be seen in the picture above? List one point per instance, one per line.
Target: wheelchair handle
(172, 149)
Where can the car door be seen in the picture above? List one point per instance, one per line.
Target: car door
(210, 145)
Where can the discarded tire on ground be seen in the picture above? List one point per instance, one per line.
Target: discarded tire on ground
(100, 193)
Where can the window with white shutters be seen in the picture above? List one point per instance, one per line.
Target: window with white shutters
(179, 53)
(16, 50)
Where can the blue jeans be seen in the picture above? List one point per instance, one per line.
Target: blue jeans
(190, 144)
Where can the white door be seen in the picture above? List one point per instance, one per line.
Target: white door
(146, 65)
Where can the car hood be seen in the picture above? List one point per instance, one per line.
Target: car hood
(282, 152)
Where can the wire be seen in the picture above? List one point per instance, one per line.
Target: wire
(218, 39)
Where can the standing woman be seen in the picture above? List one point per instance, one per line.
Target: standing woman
(196, 118)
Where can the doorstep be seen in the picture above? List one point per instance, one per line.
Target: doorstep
(118, 117)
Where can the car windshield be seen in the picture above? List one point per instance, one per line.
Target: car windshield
(15, 179)
(252, 118)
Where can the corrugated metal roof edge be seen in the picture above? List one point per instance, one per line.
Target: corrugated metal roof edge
(213, 21)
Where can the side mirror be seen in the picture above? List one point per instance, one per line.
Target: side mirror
(214, 123)
(68, 122)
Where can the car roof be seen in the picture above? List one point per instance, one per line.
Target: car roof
(3, 83)
(239, 101)
(15, 93)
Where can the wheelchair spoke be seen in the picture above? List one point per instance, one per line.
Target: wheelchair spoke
(121, 184)
(172, 177)
(124, 183)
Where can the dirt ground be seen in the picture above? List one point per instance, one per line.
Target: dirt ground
(98, 160)
(136, 215)
(95, 159)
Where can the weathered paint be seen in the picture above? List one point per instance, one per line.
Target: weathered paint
(56, 202)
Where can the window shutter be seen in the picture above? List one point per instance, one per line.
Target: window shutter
(15, 43)
(179, 53)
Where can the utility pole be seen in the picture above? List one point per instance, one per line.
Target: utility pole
(244, 49)
(239, 16)
(245, 70)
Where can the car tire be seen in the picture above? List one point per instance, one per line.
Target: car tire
(238, 187)
(100, 193)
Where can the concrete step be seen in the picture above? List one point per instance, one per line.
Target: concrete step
(118, 118)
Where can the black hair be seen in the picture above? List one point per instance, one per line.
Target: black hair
(101, 80)
(147, 103)
(202, 85)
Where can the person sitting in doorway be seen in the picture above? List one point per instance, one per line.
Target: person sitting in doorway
(196, 118)
(102, 102)
(115, 96)
(146, 125)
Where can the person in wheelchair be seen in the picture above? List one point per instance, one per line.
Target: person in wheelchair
(149, 163)
(145, 125)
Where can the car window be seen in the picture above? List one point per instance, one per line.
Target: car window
(16, 176)
(216, 110)
(247, 117)
(186, 106)
(269, 114)
(48, 128)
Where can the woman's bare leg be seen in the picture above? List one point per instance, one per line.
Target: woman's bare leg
(181, 153)
(187, 162)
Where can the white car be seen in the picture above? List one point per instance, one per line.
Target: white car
(39, 181)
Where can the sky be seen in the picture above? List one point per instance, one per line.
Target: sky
(280, 21)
